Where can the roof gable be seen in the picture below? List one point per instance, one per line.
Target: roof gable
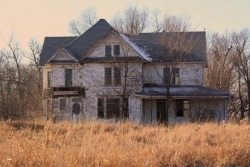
(62, 56)
(84, 43)
(50, 47)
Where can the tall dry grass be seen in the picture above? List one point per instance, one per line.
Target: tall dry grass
(103, 144)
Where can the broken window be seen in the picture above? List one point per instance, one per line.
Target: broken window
(108, 51)
(176, 76)
(171, 77)
(182, 108)
(113, 108)
(117, 76)
(62, 104)
(108, 76)
(48, 78)
(100, 108)
(68, 77)
(116, 50)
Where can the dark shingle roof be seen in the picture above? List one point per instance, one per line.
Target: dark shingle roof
(81, 45)
(173, 46)
(185, 91)
(51, 45)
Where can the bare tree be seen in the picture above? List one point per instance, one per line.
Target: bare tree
(134, 21)
(173, 23)
(241, 43)
(155, 22)
(87, 19)
(220, 63)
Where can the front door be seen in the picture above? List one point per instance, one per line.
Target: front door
(161, 112)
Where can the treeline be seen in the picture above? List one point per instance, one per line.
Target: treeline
(20, 81)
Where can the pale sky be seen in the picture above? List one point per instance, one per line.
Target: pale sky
(39, 18)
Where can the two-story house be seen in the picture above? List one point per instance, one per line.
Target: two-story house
(146, 78)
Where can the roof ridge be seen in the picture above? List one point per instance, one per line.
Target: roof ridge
(88, 30)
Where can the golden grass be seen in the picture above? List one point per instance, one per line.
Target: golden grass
(103, 144)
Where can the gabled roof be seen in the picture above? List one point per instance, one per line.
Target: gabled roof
(51, 45)
(84, 43)
(173, 46)
(149, 45)
(184, 92)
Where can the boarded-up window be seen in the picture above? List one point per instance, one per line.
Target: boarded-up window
(176, 77)
(48, 78)
(117, 76)
(113, 108)
(108, 76)
(116, 50)
(100, 108)
(76, 108)
(68, 77)
(108, 51)
(62, 104)
(186, 108)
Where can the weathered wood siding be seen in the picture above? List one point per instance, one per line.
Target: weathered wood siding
(190, 74)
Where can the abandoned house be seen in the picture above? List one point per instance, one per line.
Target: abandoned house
(146, 78)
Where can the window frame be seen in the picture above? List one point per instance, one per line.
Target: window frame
(108, 50)
(117, 76)
(48, 79)
(117, 50)
(107, 76)
(64, 107)
(68, 83)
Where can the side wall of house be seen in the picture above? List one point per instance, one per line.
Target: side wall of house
(190, 74)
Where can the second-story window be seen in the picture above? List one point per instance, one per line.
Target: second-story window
(108, 76)
(171, 77)
(117, 76)
(116, 50)
(49, 79)
(108, 51)
(68, 77)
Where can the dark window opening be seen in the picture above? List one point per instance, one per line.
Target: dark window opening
(108, 76)
(179, 108)
(108, 51)
(68, 77)
(62, 104)
(113, 108)
(116, 50)
(100, 108)
(166, 76)
(125, 111)
(117, 76)
(48, 78)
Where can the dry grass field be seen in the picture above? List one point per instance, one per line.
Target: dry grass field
(103, 144)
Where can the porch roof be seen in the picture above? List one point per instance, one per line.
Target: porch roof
(183, 92)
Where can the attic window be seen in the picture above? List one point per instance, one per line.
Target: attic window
(108, 50)
(116, 50)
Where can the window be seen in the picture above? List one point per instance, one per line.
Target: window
(113, 108)
(171, 79)
(116, 50)
(117, 76)
(100, 108)
(179, 108)
(176, 76)
(62, 104)
(166, 75)
(108, 51)
(182, 108)
(108, 76)
(48, 78)
(68, 77)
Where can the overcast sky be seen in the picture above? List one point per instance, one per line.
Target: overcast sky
(40, 18)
